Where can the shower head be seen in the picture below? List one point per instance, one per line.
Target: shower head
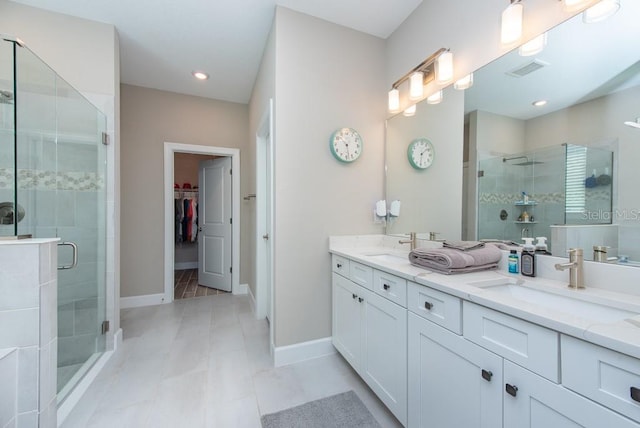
(6, 97)
(526, 162)
(633, 124)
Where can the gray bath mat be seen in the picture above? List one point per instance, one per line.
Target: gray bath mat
(338, 411)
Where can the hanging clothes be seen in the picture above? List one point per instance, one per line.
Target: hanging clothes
(186, 222)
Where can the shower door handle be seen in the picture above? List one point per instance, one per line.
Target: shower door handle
(74, 262)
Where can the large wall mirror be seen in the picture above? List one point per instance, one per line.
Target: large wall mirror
(574, 158)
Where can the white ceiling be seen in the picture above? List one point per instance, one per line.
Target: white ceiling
(585, 61)
(163, 41)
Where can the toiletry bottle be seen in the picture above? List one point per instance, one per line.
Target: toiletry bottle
(525, 198)
(541, 245)
(528, 258)
(513, 262)
(525, 217)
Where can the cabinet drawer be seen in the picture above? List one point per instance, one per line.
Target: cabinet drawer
(391, 287)
(361, 274)
(340, 265)
(436, 306)
(605, 376)
(531, 346)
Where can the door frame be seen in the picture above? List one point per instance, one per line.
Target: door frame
(169, 218)
(265, 276)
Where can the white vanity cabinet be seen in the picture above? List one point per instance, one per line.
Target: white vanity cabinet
(439, 360)
(370, 331)
(535, 402)
(452, 381)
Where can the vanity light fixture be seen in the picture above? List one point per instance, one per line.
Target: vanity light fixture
(416, 86)
(533, 46)
(444, 68)
(394, 101)
(572, 5)
(465, 83)
(410, 111)
(511, 29)
(600, 11)
(539, 103)
(426, 69)
(633, 124)
(435, 98)
(200, 75)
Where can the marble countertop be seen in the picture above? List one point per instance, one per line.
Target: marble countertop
(622, 336)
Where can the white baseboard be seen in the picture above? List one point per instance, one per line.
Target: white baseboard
(285, 355)
(241, 289)
(144, 300)
(185, 265)
(117, 339)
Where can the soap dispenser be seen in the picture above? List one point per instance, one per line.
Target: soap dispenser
(541, 245)
(528, 258)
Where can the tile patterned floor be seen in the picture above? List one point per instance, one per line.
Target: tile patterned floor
(186, 285)
(205, 363)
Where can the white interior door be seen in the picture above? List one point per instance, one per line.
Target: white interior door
(214, 224)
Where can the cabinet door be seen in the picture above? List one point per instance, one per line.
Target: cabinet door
(384, 352)
(347, 316)
(539, 403)
(452, 382)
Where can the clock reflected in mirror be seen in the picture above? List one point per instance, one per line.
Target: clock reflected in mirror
(421, 153)
(345, 145)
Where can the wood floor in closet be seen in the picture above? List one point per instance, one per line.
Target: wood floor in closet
(186, 285)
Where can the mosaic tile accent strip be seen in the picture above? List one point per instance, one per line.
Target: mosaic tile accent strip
(512, 198)
(50, 180)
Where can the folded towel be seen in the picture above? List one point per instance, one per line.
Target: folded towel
(448, 258)
(469, 269)
(463, 245)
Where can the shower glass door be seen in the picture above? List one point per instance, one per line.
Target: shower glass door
(61, 186)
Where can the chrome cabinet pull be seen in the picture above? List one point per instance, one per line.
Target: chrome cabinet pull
(74, 262)
(428, 306)
(635, 394)
(512, 390)
(386, 286)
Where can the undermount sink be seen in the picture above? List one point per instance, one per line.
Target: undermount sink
(390, 257)
(566, 301)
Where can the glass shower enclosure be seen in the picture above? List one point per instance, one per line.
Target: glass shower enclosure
(564, 184)
(52, 184)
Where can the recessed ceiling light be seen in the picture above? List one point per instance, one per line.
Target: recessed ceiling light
(200, 75)
(539, 103)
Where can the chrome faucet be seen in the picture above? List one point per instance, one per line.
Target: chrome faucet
(411, 240)
(575, 266)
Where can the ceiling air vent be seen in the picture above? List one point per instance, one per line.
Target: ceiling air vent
(527, 68)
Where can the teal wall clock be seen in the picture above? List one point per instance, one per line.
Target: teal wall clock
(345, 145)
(421, 153)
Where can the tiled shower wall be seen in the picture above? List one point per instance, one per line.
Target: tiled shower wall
(28, 349)
(502, 185)
(60, 195)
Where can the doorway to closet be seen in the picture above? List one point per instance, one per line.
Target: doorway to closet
(201, 220)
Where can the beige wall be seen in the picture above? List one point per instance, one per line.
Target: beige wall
(185, 168)
(327, 77)
(149, 119)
